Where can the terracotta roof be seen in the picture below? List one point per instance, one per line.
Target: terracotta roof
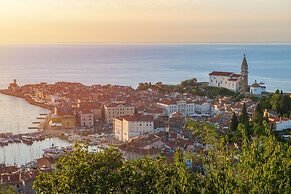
(221, 73)
(112, 105)
(168, 102)
(236, 75)
(41, 162)
(256, 85)
(148, 118)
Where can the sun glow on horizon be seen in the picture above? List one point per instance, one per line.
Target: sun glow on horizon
(145, 21)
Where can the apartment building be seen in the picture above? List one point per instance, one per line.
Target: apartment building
(112, 111)
(128, 127)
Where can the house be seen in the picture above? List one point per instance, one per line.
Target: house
(257, 89)
(44, 164)
(62, 118)
(185, 108)
(128, 127)
(86, 118)
(114, 110)
(149, 145)
(280, 124)
(27, 178)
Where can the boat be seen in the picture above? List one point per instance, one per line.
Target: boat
(27, 140)
(53, 150)
(17, 140)
(36, 122)
(10, 140)
(40, 138)
(33, 127)
(3, 142)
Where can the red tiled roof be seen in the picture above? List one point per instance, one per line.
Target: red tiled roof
(148, 118)
(168, 102)
(236, 75)
(221, 73)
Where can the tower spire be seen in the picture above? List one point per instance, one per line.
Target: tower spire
(244, 74)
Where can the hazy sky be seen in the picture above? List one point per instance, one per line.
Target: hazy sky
(145, 21)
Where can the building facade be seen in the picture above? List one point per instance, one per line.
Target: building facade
(231, 80)
(86, 118)
(185, 108)
(128, 127)
(257, 89)
(113, 111)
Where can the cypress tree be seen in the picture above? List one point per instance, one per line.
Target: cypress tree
(258, 115)
(284, 105)
(233, 122)
(244, 118)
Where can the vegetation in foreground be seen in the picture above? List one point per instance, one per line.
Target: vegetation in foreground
(261, 165)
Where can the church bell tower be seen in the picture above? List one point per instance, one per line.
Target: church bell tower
(244, 75)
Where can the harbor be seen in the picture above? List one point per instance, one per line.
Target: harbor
(20, 153)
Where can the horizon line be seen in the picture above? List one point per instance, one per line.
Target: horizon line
(35, 43)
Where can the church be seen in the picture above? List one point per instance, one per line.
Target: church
(231, 80)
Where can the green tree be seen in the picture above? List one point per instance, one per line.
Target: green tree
(140, 176)
(244, 117)
(82, 172)
(284, 105)
(275, 101)
(6, 189)
(258, 114)
(233, 122)
(206, 132)
(189, 83)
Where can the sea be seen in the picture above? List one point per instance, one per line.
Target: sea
(123, 64)
(130, 64)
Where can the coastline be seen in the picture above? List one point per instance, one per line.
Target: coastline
(43, 130)
(26, 98)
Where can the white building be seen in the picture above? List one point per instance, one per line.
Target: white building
(203, 108)
(257, 89)
(283, 124)
(185, 108)
(227, 80)
(129, 127)
(230, 80)
(112, 111)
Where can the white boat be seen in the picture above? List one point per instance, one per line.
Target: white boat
(3, 142)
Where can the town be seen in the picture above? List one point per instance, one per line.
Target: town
(148, 121)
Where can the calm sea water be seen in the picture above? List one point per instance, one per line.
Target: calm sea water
(129, 64)
(19, 153)
(16, 115)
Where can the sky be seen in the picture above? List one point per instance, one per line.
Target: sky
(147, 21)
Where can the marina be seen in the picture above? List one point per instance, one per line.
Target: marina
(20, 153)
